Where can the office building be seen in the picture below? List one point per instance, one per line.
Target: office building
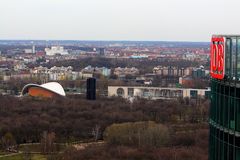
(91, 89)
(224, 141)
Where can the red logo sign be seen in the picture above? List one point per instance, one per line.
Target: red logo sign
(217, 57)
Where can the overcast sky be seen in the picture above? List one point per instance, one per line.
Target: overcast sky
(163, 20)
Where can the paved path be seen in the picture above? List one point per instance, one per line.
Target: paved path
(78, 146)
(82, 146)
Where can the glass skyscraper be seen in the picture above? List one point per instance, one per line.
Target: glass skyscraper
(224, 140)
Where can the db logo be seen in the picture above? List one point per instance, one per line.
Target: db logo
(217, 58)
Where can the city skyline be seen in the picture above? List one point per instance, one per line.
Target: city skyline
(135, 20)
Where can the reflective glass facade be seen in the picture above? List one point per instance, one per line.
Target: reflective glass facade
(224, 141)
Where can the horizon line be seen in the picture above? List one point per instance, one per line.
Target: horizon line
(101, 40)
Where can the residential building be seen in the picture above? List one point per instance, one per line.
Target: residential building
(99, 70)
(126, 71)
(172, 71)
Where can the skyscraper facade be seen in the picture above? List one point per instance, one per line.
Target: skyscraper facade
(224, 140)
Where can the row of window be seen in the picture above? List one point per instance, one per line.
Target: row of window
(159, 93)
(223, 146)
(225, 106)
(232, 57)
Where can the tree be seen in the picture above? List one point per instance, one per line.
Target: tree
(96, 132)
(141, 134)
(8, 141)
(26, 153)
(47, 142)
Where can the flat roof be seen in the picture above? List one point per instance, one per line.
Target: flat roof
(226, 35)
(162, 88)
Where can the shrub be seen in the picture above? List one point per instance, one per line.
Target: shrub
(137, 134)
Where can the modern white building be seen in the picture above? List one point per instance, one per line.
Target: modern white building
(56, 50)
(28, 51)
(155, 92)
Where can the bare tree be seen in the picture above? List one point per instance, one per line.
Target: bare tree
(47, 142)
(8, 142)
(26, 153)
(96, 132)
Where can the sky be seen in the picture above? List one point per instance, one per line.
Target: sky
(148, 20)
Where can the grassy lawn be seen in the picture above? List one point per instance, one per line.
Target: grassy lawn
(3, 153)
(21, 157)
(37, 148)
(34, 148)
(38, 157)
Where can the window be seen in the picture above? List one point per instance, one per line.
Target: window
(227, 57)
(120, 92)
(226, 106)
(237, 110)
(238, 58)
(233, 57)
(130, 92)
(193, 93)
(146, 93)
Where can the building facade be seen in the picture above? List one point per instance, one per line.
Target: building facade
(172, 71)
(155, 92)
(224, 140)
(56, 50)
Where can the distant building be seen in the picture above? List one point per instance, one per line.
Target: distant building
(102, 51)
(29, 60)
(172, 71)
(91, 89)
(30, 51)
(17, 76)
(33, 49)
(126, 71)
(139, 56)
(27, 51)
(40, 54)
(56, 50)
(148, 82)
(55, 73)
(100, 70)
(86, 75)
(198, 72)
(20, 66)
(186, 81)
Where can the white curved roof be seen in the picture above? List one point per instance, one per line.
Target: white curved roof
(54, 87)
(51, 86)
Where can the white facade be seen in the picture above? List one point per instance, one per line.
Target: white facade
(155, 92)
(51, 86)
(28, 51)
(55, 50)
(33, 49)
